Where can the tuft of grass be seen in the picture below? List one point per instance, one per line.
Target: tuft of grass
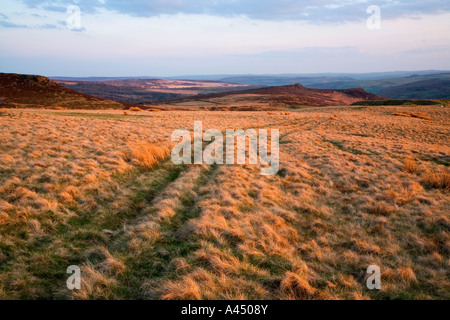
(297, 287)
(380, 209)
(411, 166)
(146, 155)
(434, 179)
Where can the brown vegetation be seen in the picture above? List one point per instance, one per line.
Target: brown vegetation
(30, 91)
(437, 179)
(419, 115)
(93, 188)
(146, 155)
(281, 96)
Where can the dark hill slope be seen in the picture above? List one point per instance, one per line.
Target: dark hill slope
(31, 91)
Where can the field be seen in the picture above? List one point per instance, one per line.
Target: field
(357, 186)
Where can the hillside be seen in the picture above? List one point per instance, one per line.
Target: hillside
(433, 86)
(395, 85)
(145, 91)
(31, 91)
(425, 89)
(282, 96)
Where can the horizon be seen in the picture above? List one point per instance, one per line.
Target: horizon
(183, 77)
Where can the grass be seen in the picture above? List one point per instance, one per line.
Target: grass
(367, 188)
(419, 115)
(397, 103)
(411, 166)
(105, 116)
(437, 179)
(146, 155)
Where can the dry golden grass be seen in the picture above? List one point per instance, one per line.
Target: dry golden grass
(95, 189)
(146, 155)
(419, 115)
(437, 179)
(411, 166)
(297, 287)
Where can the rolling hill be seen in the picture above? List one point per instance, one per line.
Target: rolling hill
(395, 85)
(32, 91)
(281, 96)
(425, 89)
(146, 91)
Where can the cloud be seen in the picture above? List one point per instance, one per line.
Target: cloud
(5, 24)
(48, 26)
(315, 11)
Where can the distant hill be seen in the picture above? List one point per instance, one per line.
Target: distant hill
(32, 91)
(389, 84)
(143, 90)
(277, 79)
(425, 89)
(281, 96)
(147, 91)
(282, 81)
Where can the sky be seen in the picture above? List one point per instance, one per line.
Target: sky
(83, 38)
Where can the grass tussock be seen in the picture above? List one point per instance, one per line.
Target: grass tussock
(297, 287)
(380, 209)
(437, 179)
(146, 155)
(411, 166)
